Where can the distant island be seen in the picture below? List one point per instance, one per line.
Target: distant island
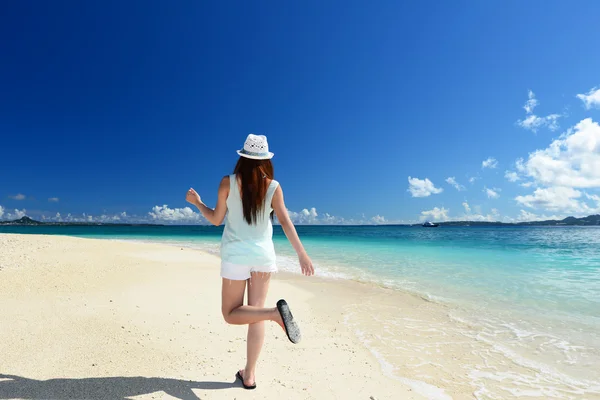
(29, 221)
(569, 221)
(590, 220)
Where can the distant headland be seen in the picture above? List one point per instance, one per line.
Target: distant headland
(29, 221)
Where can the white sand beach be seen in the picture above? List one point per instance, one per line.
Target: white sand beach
(100, 319)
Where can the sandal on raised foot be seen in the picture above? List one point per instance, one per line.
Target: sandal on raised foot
(241, 378)
(291, 328)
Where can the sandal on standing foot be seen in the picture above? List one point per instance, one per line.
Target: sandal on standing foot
(241, 378)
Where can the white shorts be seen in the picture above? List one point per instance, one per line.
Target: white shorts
(237, 272)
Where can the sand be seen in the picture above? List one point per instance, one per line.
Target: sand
(101, 319)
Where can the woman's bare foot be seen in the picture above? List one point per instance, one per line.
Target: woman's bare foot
(278, 319)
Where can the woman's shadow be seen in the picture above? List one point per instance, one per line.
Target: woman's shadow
(117, 388)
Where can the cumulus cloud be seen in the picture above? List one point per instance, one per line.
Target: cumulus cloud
(559, 198)
(572, 160)
(492, 193)
(19, 196)
(53, 199)
(1, 211)
(526, 216)
(422, 187)
(531, 103)
(452, 181)
(379, 219)
(491, 162)
(472, 179)
(308, 216)
(533, 122)
(173, 215)
(466, 207)
(511, 176)
(591, 99)
(16, 214)
(435, 214)
(493, 216)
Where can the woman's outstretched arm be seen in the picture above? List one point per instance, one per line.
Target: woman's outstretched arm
(217, 215)
(290, 231)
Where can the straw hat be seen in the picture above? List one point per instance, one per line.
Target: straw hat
(256, 147)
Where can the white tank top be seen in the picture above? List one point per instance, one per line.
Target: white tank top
(246, 244)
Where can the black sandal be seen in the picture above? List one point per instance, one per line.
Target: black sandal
(241, 378)
(291, 328)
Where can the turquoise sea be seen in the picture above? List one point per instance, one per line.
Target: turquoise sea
(530, 294)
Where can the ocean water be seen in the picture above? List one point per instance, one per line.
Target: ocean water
(523, 303)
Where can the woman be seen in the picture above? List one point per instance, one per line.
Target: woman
(246, 201)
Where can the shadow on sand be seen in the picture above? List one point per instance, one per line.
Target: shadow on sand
(117, 388)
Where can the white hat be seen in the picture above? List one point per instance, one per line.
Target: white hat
(256, 148)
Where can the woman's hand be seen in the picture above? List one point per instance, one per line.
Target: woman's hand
(192, 197)
(306, 265)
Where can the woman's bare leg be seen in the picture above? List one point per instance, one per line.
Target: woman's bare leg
(257, 293)
(254, 314)
(236, 313)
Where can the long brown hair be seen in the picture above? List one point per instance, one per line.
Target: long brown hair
(253, 175)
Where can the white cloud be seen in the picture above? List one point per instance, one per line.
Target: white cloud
(310, 216)
(53, 199)
(312, 213)
(511, 176)
(492, 193)
(527, 184)
(534, 122)
(472, 179)
(591, 99)
(89, 218)
(452, 181)
(493, 216)
(435, 214)
(422, 187)
(19, 196)
(166, 214)
(1, 211)
(561, 199)
(467, 207)
(573, 160)
(17, 214)
(108, 218)
(531, 102)
(594, 197)
(330, 219)
(378, 219)
(491, 162)
(526, 216)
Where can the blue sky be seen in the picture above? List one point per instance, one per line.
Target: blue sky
(114, 109)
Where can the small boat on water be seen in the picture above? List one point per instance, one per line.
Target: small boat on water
(428, 224)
